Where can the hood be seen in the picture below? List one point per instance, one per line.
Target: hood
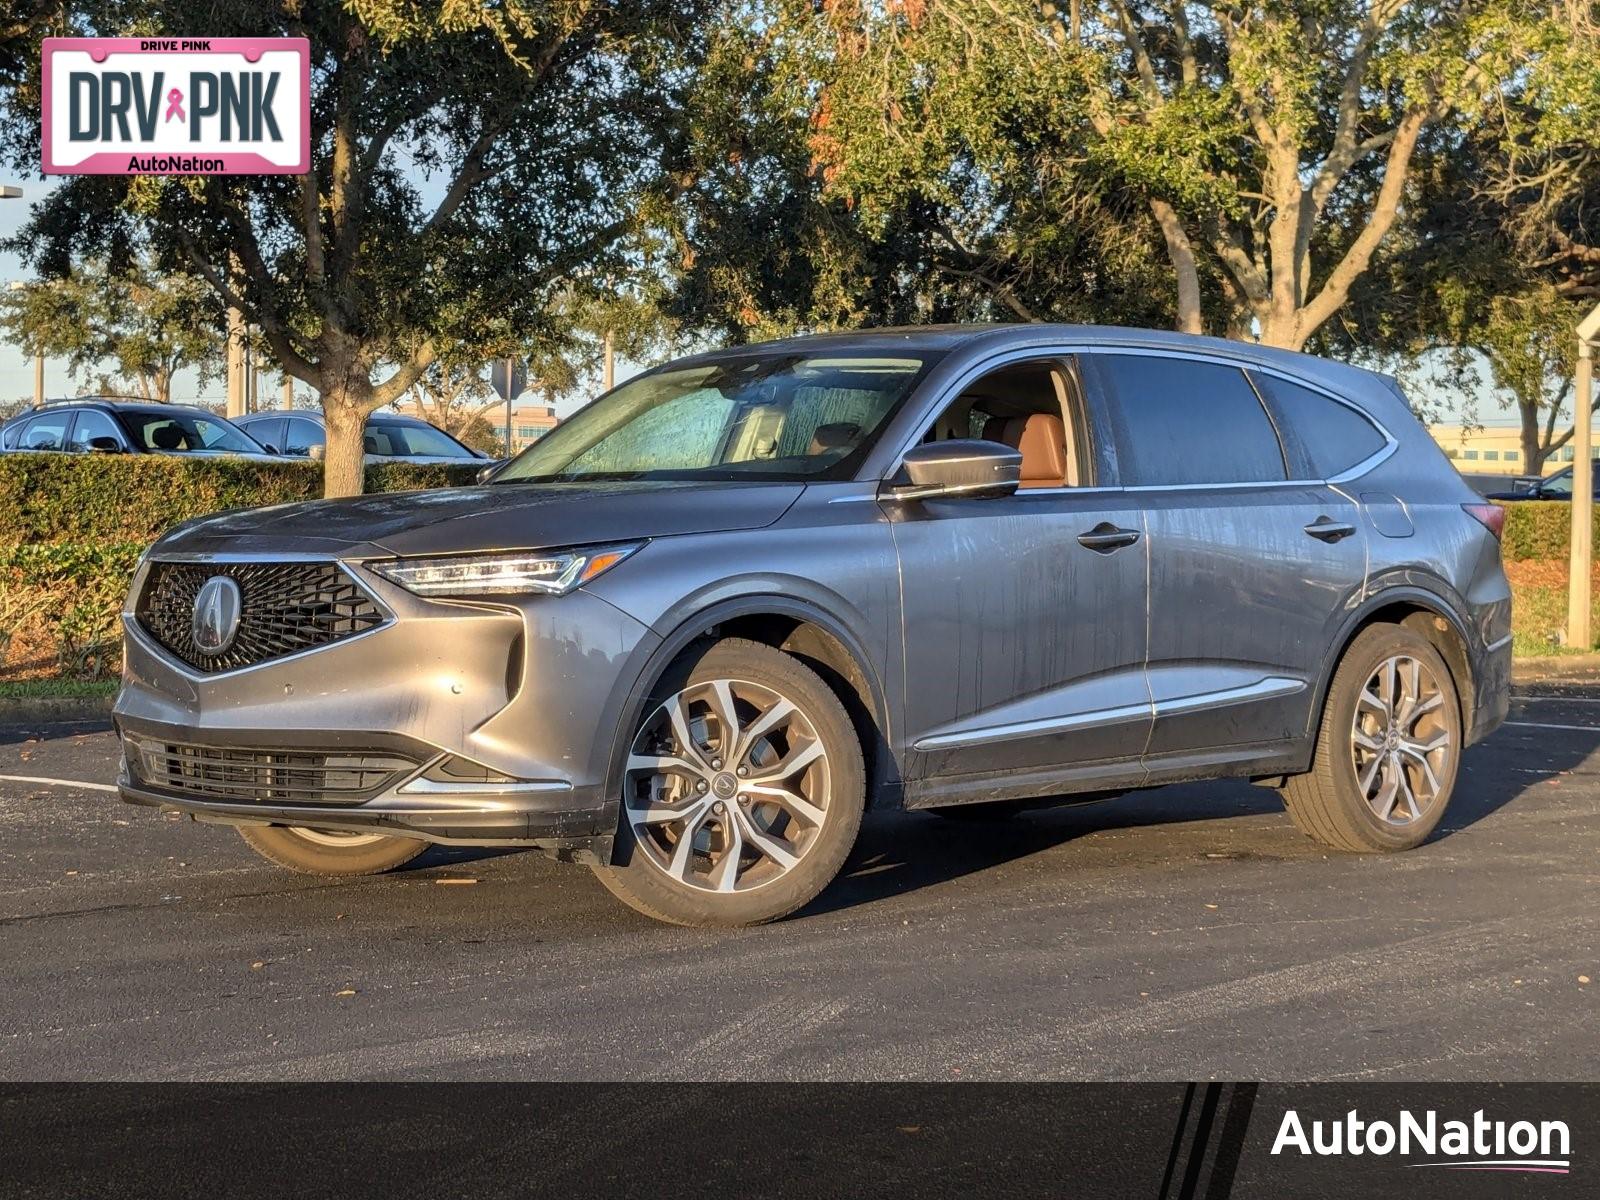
(491, 517)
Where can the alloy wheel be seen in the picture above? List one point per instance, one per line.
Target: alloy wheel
(1400, 741)
(727, 786)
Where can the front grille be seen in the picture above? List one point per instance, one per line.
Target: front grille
(285, 607)
(265, 776)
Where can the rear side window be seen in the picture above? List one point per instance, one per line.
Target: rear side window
(1182, 421)
(300, 435)
(268, 432)
(47, 432)
(1331, 436)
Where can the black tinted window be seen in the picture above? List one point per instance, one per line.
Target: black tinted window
(1181, 421)
(268, 431)
(300, 435)
(1332, 437)
(48, 432)
(92, 424)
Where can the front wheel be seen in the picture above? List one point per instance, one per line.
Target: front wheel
(742, 794)
(330, 852)
(1387, 750)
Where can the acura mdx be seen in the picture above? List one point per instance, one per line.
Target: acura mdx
(690, 636)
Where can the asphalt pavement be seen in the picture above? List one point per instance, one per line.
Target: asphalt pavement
(1186, 933)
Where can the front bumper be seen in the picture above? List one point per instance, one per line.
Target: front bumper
(541, 813)
(529, 691)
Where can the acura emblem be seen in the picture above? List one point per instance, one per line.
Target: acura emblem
(217, 606)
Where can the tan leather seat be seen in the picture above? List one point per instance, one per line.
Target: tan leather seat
(1043, 442)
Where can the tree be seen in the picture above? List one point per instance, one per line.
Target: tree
(1486, 280)
(1266, 144)
(453, 396)
(146, 325)
(466, 162)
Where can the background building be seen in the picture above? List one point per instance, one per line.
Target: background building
(529, 423)
(1491, 449)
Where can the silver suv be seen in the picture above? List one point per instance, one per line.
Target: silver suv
(690, 636)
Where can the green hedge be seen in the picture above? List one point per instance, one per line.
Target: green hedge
(72, 527)
(100, 498)
(1540, 529)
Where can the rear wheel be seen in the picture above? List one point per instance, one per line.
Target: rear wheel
(742, 794)
(1387, 750)
(330, 852)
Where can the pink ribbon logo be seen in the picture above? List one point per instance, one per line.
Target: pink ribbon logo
(175, 105)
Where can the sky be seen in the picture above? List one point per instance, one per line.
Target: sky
(16, 368)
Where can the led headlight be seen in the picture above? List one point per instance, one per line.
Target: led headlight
(546, 572)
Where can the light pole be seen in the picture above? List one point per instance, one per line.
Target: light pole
(12, 192)
(1582, 549)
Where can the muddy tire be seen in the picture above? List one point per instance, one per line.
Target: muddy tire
(324, 852)
(1387, 750)
(742, 794)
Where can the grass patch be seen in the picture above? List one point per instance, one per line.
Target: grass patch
(1539, 607)
(57, 689)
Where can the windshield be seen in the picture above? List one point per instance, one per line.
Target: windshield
(401, 439)
(165, 432)
(792, 417)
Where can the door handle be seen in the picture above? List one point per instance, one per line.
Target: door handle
(1106, 537)
(1327, 530)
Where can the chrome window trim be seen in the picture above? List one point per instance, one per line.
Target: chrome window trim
(1071, 349)
(132, 628)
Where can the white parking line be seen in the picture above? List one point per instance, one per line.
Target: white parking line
(1556, 699)
(1536, 725)
(74, 783)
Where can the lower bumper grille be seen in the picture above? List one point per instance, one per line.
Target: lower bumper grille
(265, 776)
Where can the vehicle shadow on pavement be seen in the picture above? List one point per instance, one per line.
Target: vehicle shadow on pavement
(436, 856)
(903, 852)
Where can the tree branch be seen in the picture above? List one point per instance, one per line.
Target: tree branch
(292, 360)
(1336, 289)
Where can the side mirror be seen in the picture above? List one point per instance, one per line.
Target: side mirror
(105, 445)
(962, 467)
(486, 473)
(270, 448)
(316, 453)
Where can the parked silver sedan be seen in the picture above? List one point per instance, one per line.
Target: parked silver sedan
(389, 437)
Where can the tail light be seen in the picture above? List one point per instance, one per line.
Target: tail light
(1491, 516)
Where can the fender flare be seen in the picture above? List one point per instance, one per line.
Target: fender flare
(1398, 593)
(694, 626)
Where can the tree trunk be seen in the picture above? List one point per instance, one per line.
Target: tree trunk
(1180, 253)
(344, 460)
(1533, 450)
(1282, 329)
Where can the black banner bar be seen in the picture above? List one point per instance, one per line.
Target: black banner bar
(1170, 1141)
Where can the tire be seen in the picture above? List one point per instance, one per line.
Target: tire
(761, 844)
(968, 814)
(1370, 789)
(315, 852)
